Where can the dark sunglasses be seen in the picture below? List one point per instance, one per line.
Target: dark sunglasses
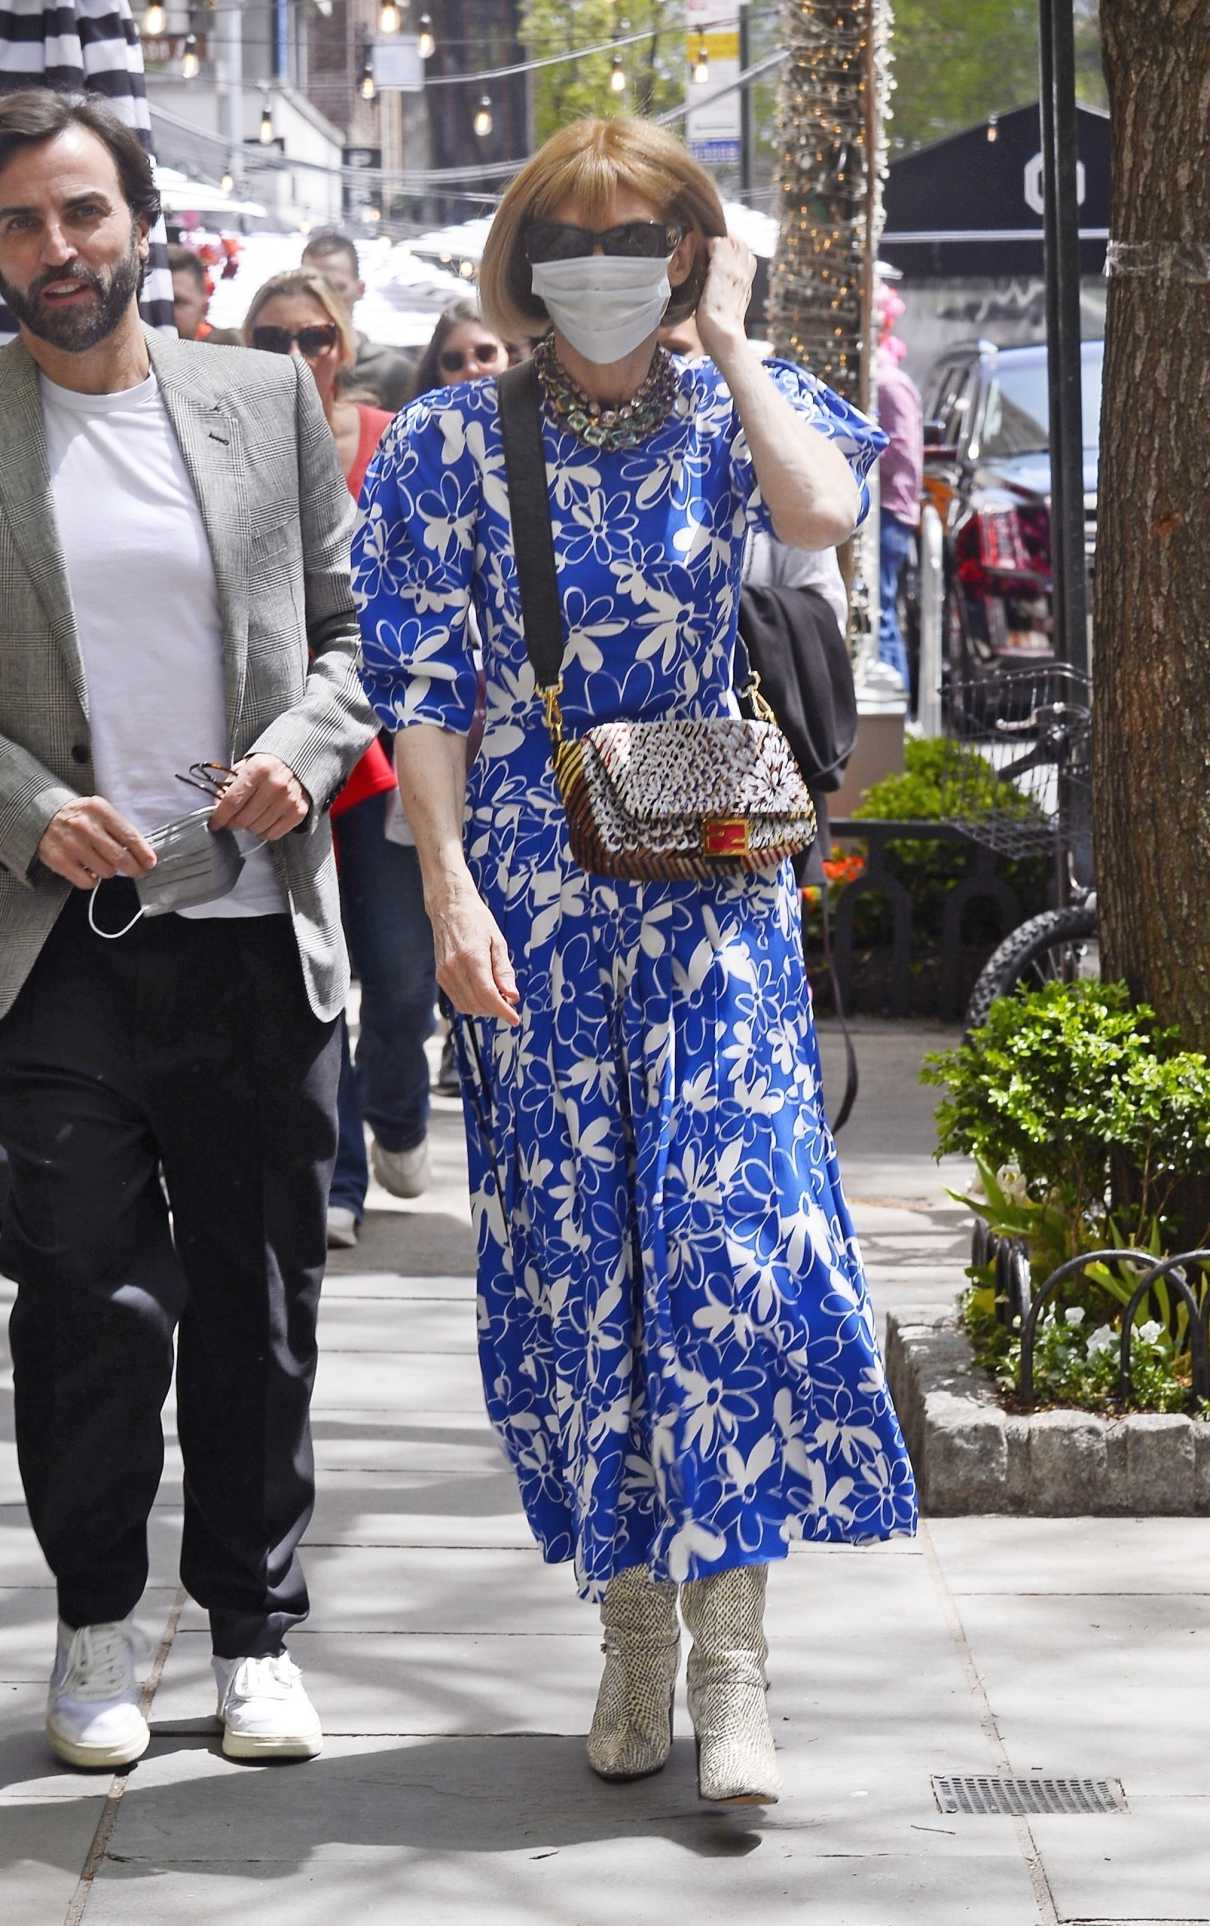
(454, 360)
(312, 341)
(632, 240)
(210, 777)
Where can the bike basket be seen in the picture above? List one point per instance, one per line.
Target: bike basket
(1015, 773)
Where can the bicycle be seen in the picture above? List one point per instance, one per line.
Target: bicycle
(1049, 812)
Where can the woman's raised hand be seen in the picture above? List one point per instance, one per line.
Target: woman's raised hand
(725, 296)
(473, 966)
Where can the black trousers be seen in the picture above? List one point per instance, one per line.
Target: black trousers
(188, 1046)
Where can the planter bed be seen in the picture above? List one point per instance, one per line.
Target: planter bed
(971, 1455)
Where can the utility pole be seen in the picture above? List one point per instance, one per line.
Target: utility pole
(229, 88)
(747, 168)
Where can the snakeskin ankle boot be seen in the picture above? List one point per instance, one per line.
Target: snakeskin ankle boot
(736, 1763)
(631, 1732)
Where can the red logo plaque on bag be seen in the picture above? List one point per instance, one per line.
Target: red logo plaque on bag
(725, 836)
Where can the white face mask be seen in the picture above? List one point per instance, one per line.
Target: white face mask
(604, 304)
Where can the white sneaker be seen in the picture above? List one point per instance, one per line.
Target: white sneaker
(405, 1173)
(93, 1715)
(342, 1228)
(264, 1710)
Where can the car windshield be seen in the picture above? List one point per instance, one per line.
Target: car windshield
(1017, 421)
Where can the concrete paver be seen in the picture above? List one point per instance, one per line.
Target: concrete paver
(456, 1673)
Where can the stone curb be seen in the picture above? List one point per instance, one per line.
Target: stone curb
(970, 1455)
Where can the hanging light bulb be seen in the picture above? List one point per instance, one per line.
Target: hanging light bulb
(190, 64)
(390, 19)
(617, 79)
(366, 86)
(993, 127)
(483, 122)
(265, 135)
(701, 66)
(426, 45)
(228, 182)
(154, 19)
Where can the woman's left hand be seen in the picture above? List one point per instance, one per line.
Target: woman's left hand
(725, 297)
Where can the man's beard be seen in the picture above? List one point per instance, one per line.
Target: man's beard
(80, 326)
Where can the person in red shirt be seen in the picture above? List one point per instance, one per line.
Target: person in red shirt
(382, 904)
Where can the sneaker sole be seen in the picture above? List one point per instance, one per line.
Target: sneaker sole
(409, 1190)
(255, 1745)
(342, 1240)
(96, 1758)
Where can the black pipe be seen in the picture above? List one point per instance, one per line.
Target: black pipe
(1064, 368)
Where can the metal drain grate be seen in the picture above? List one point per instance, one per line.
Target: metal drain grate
(1019, 1798)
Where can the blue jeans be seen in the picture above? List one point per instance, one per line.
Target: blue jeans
(895, 541)
(391, 946)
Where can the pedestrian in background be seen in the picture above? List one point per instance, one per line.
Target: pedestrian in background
(377, 370)
(900, 481)
(191, 300)
(677, 1345)
(461, 348)
(173, 537)
(387, 1084)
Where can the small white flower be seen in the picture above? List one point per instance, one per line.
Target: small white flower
(1012, 1184)
(1104, 1338)
(1075, 1316)
(1151, 1332)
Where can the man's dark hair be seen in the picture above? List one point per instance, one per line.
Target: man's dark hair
(37, 114)
(330, 240)
(183, 260)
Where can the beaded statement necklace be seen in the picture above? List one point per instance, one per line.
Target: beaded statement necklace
(622, 427)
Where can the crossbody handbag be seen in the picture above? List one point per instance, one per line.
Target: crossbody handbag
(682, 800)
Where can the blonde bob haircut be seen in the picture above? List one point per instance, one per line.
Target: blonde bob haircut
(588, 163)
(304, 284)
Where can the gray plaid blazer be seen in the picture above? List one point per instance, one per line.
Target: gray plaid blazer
(278, 516)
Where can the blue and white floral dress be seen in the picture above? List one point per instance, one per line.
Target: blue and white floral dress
(677, 1346)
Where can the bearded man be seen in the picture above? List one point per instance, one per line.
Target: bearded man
(174, 608)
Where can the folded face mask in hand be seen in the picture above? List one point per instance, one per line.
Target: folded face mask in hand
(194, 864)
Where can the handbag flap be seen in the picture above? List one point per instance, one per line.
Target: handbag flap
(710, 766)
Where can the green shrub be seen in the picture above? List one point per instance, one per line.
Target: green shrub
(1088, 1099)
(941, 779)
(1086, 1120)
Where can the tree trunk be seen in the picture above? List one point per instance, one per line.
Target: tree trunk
(1152, 605)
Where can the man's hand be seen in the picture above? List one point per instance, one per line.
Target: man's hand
(88, 842)
(264, 796)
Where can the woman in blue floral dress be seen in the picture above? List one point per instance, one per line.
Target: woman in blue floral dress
(677, 1346)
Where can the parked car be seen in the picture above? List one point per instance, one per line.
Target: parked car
(987, 471)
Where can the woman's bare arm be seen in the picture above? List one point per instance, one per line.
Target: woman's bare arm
(473, 966)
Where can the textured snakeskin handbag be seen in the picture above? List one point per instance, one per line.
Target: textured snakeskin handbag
(685, 800)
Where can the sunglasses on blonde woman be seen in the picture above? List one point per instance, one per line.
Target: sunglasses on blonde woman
(454, 360)
(312, 342)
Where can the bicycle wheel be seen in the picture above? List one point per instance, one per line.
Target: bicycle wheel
(1058, 946)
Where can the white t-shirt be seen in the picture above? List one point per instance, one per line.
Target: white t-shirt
(147, 614)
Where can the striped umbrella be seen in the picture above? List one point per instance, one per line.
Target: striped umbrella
(91, 46)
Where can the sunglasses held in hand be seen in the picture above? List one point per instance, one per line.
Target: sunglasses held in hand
(454, 360)
(631, 240)
(312, 342)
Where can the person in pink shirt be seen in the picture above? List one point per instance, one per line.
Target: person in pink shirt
(900, 479)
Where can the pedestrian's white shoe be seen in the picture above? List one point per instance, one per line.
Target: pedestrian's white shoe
(264, 1709)
(405, 1173)
(631, 1733)
(342, 1228)
(93, 1715)
(727, 1686)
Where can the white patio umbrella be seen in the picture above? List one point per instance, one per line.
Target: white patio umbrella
(91, 46)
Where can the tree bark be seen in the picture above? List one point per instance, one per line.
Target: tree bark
(1152, 605)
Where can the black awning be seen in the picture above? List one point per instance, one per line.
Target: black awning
(970, 205)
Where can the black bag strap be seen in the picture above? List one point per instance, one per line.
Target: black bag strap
(520, 404)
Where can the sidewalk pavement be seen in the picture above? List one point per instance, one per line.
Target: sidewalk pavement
(456, 1674)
